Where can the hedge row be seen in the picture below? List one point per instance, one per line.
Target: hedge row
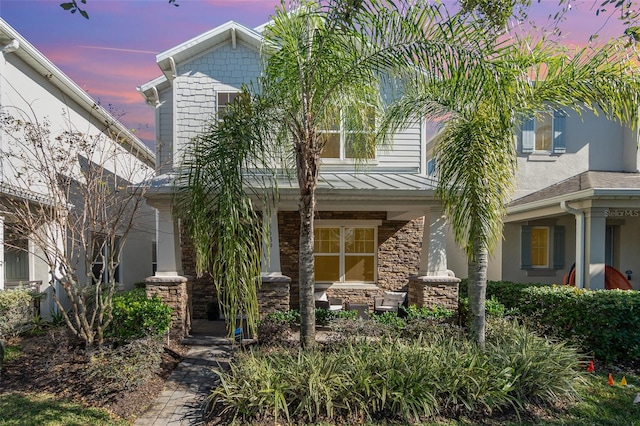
(602, 322)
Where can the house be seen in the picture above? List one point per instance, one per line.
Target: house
(576, 203)
(383, 209)
(33, 89)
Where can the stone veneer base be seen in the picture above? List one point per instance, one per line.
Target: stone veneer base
(274, 294)
(176, 293)
(428, 290)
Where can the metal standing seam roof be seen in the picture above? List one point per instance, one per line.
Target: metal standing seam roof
(361, 183)
(354, 181)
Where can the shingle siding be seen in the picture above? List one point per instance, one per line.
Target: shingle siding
(198, 80)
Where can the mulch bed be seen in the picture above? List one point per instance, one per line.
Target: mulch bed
(53, 361)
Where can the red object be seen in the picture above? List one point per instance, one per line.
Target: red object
(610, 381)
(613, 279)
(591, 368)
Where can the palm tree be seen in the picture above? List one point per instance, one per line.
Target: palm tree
(475, 153)
(321, 60)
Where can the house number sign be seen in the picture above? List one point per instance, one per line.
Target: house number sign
(622, 213)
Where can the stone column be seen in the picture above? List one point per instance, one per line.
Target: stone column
(274, 292)
(176, 293)
(434, 284)
(168, 283)
(595, 231)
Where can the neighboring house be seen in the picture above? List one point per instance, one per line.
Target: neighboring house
(34, 89)
(379, 210)
(576, 201)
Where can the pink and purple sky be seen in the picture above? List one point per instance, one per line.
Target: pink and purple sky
(114, 51)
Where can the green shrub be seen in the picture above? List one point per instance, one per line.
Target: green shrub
(389, 319)
(323, 316)
(125, 367)
(602, 322)
(290, 317)
(508, 293)
(436, 312)
(16, 311)
(136, 316)
(274, 331)
(401, 380)
(349, 315)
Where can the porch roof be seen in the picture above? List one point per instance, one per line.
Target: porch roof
(363, 184)
(589, 185)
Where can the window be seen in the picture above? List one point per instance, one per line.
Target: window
(539, 247)
(103, 255)
(224, 99)
(431, 167)
(544, 132)
(16, 258)
(542, 247)
(341, 144)
(345, 254)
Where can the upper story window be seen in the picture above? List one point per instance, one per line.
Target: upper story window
(544, 132)
(224, 100)
(342, 144)
(431, 167)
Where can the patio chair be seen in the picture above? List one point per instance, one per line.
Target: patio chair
(328, 303)
(391, 301)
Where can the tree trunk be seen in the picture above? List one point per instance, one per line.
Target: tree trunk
(307, 158)
(478, 291)
(306, 280)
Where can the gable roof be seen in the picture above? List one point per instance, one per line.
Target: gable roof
(19, 46)
(230, 30)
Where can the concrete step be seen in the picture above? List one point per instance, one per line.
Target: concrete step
(200, 340)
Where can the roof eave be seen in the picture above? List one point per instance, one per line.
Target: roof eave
(575, 196)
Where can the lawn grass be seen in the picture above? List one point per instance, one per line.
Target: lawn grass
(605, 405)
(17, 409)
(11, 352)
(601, 405)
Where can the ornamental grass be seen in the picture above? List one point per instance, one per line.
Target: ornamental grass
(406, 380)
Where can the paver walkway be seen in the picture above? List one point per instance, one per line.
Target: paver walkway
(182, 399)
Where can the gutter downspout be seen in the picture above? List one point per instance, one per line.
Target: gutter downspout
(579, 242)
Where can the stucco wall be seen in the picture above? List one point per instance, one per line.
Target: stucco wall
(592, 143)
(511, 270)
(32, 96)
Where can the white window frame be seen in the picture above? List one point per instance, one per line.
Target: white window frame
(342, 158)
(547, 134)
(222, 107)
(342, 225)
